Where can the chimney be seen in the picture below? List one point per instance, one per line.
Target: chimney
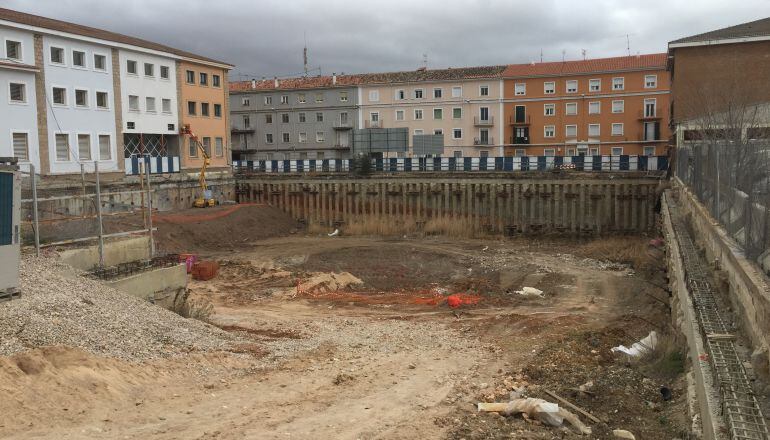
(334, 78)
(277, 83)
(253, 83)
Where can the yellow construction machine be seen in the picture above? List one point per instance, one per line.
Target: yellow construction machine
(205, 198)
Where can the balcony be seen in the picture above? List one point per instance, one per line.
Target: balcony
(338, 125)
(239, 130)
(489, 141)
(526, 120)
(342, 146)
(488, 122)
(520, 140)
(372, 124)
(643, 115)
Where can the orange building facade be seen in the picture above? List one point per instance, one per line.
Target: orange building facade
(204, 105)
(610, 106)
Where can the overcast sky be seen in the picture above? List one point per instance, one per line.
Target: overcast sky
(265, 37)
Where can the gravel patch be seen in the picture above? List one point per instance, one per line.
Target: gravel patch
(59, 306)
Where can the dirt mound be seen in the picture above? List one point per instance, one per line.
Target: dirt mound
(60, 307)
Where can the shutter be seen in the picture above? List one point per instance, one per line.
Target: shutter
(84, 147)
(105, 150)
(21, 146)
(62, 147)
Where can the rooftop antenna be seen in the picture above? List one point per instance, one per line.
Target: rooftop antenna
(541, 54)
(583, 51)
(304, 53)
(563, 55)
(628, 45)
(425, 61)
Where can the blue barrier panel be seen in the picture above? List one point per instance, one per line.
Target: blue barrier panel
(507, 164)
(662, 163)
(378, 164)
(286, 164)
(408, 164)
(597, 163)
(499, 163)
(542, 163)
(558, 161)
(422, 164)
(337, 165)
(300, 166)
(482, 163)
(624, 162)
(312, 167)
(579, 162)
(436, 164)
(392, 164)
(525, 163)
(643, 163)
(467, 164)
(452, 163)
(134, 165)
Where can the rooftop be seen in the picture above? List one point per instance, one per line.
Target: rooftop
(758, 28)
(86, 31)
(596, 65)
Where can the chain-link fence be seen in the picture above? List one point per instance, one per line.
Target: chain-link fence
(729, 171)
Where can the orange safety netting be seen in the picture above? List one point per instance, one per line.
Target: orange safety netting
(189, 217)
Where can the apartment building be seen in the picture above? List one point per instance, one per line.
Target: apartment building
(78, 94)
(294, 118)
(204, 106)
(463, 105)
(608, 106)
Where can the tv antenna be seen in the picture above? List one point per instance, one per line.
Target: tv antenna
(425, 61)
(304, 53)
(583, 51)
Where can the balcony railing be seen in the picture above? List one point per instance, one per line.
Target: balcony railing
(526, 120)
(479, 141)
(644, 115)
(488, 122)
(242, 129)
(372, 124)
(520, 140)
(342, 125)
(342, 146)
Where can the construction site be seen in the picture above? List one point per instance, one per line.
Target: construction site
(538, 305)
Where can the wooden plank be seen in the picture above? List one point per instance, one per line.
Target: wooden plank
(572, 406)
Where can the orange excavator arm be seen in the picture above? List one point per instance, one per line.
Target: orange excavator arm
(202, 201)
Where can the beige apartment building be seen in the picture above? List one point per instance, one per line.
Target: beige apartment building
(464, 105)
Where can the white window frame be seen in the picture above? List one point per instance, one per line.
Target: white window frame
(438, 131)
(269, 138)
(55, 146)
(455, 89)
(598, 128)
(90, 145)
(103, 55)
(170, 107)
(549, 90)
(418, 132)
(453, 112)
(285, 137)
(245, 102)
(136, 67)
(84, 66)
(654, 103)
(320, 139)
(551, 106)
(319, 97)
(422, 93)
(403, 115)
(343, 96)
(63, 56)
(567, 86)
(440, 91)
(614, 132)
(319, 116)
(567, 130)
(372, 118)
(66, 96)
(481, 88)
(440, 109)
(152, 70)
(520, 89)
(593, 151)
(453, 133)
(96, 99)
(598, 105)
(75, 96)
(302, 137)
(647, 148)
(422, 114)
(25, 94)
(160, 72)
(268, 100)
(612, 151)
(301, 98)
(567, 106)
(26, 133)
(595, 81)
(374, 95)
(654, 81)
(549, 152)
(20, 52)
(520, 152)
(619, 80)
(284, 99)
(551, 128)
(398, 92)
(137, 109)
(148, 100)
(622, 106)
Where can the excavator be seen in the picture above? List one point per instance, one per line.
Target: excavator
(205, 198)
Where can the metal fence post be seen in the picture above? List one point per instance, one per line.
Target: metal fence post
(149, 213)
(34, 210)
(99, 214)
(83, 185)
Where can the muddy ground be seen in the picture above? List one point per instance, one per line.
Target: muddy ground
(353, 339)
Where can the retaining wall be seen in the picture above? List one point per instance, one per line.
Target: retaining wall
(115, 252)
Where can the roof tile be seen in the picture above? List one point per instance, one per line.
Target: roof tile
(596, 65)
(758, 28)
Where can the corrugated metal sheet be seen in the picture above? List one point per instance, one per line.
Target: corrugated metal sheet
(425, 144)
(380, 140)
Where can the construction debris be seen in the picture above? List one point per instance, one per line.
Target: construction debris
(530, 291)
(622, 433)
(639, 348)
(547, 412)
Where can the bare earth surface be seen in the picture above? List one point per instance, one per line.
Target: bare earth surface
(351, 338)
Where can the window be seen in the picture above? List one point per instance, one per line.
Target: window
(269, 119)
(301, 117)
(549, 109)
(572, 86)
(268, 100)
(570, 108)
(594, 151)
(149, 104)
(268, 138)
(484, 91)
(570, 130)
(21, 146)
(203, 78)
(594, 129)
(59, 96)
(520, 89)
(13, 50)
(207, 146)
(284, 118)
(438, 131)
(343, 96)
(457, 133)
(437, 93)
(483, 153)
(419, 132)
(285, 137)
(245, 102)
(102, 100)
(81, 98)
(219, 147)
(57, 56)
(617, 106)
(418, 93)
(649, 107)
(217, 110)
(319, 117)
(549, 152)
(302, 138)
(191, 108)
(130, 125)
(549, 131)
(216, 81)
(400, 94)
(594, 108)
(133, 104)
(78, 58)
(319, 136)
(84, 147)
(374, 116)
(374, 95)
(650, 81)
(649, 151)
(246, 122)
(190, 77)
(343, 118)
(438, 113)
(100, 62)
(399, 115)
(457, 92)
(484, 114)
(284, 99)
(457, 113)
(417, 114)
(457, 154)
(17, 92)
(149, 69)
(617, 129)
(131, 67)
(319, 97)
(301, 98)
(166, 105)
(617, 151)
(549, 87)
(204, 108)
(62, 147)
(594, 85)
(618, 83)
(164, 72)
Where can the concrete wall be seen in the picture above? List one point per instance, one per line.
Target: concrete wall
(748, 286)
(158, 285)
(115, 252)
(504, 205)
